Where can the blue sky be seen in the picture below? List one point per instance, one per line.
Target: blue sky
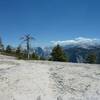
(49, 20)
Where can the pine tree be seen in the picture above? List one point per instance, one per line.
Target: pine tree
(91, 58)
(34, 56)
(98, 58)
(8, 49)
(1, 45)
(58, 54)
(18, 50)
(19, 55)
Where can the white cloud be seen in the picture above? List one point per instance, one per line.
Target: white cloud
(78, 41)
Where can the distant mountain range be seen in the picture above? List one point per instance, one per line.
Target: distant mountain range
(75, 52)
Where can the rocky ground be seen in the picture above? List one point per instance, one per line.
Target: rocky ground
(44, 80)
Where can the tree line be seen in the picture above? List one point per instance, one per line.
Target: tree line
(57, 53)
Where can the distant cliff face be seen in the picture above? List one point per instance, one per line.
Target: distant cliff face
(43, 52)
(79, 55)
(39, 51)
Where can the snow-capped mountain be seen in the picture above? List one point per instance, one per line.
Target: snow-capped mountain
(79, 42)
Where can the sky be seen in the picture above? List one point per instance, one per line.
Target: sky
(49, 20)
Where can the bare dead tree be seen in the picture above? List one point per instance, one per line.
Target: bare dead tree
(27, 38)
